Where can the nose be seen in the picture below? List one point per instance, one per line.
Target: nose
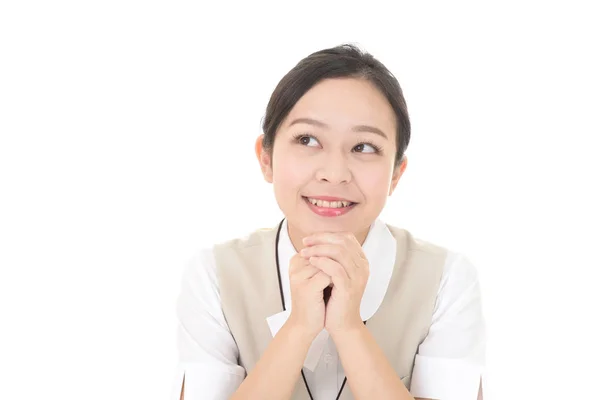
(334, 169)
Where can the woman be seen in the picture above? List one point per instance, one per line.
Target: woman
(331, 302)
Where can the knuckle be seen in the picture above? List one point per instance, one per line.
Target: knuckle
(338, 270)
(293, 269)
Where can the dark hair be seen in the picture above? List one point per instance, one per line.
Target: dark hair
(344, 61)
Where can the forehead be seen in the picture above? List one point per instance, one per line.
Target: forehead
(346, 102)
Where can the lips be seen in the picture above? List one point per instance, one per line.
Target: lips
(329, 198)
(331, 202)
(329, 208)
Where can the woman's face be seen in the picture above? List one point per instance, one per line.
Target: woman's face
(337, 145)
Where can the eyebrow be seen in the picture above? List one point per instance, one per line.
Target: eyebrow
(357, 128)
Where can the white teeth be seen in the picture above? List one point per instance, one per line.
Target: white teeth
(329, 204)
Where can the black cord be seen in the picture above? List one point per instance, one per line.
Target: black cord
(277, 262)
(342, 388)
(283, 306)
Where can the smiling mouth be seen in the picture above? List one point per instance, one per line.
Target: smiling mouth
(329, 204)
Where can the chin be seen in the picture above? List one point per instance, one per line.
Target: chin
(314, 224)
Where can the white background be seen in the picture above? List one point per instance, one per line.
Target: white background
(127, 132)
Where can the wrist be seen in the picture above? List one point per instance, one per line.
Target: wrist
(351, 329)
(298, 332)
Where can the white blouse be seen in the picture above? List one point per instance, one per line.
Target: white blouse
(448, 364)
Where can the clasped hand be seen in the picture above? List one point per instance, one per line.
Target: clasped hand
(329, 259)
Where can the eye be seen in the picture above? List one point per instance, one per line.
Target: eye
(306, 140)
(367, 148)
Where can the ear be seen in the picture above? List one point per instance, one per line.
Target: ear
(398, 171)
(264, 159)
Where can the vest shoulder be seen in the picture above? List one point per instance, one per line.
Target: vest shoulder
(256, 237)
(415, 243)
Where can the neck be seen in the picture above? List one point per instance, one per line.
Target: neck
(297, 235)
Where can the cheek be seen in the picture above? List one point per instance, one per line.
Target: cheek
(290, 173)
(374, 181)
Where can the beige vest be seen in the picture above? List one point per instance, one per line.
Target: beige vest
(249, 289)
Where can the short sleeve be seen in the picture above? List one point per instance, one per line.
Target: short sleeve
(207, 351)
(451, 359)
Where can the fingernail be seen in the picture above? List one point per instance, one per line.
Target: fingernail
(303, 252)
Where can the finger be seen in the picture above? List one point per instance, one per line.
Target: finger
(297, 262)
(344, 239)
(321, 280)
(303, 273)
(332, 268)
(348, 259)
(331, 237)
(324, 237)
(299, 266)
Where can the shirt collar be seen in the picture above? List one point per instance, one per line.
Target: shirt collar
(379, 248)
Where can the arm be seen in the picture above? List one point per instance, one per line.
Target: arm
(369, 373)
(208, 354)
(288, 348)
(450, 361)
(276, 373)
(458, 315)
(182, 388)
(367, 369)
